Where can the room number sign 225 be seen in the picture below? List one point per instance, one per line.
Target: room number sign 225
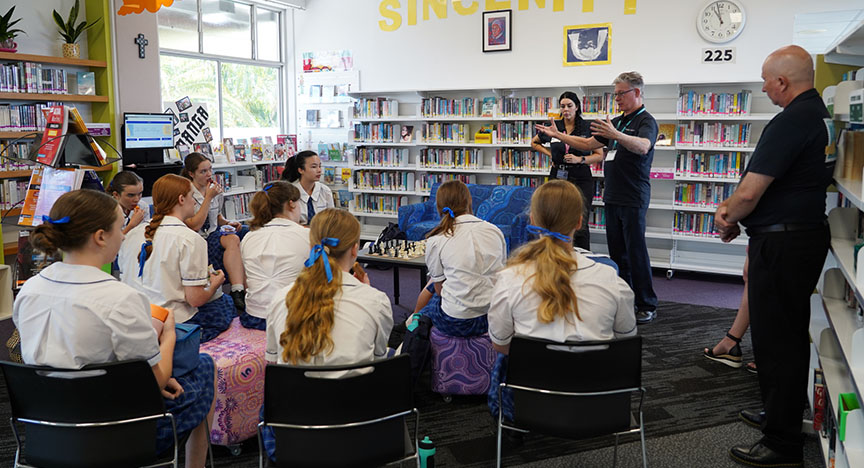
(724, 55)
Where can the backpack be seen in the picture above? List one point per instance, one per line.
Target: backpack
(391, 232)
(417, 346)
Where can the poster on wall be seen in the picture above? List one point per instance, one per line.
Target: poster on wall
(191, 122)
(587, 44)
(327, 61)
(497, 31)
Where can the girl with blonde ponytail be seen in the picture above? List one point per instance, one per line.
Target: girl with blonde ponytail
(274, 250)
(550, 291)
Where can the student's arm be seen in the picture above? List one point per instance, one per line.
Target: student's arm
(193, 272)
(135, 219)
(384, 322)
(223, 221)
(500, 316)
(196, 222)
(438, 287)
(537, 145)
(197, 296)
(625, 318)
(162, 371)
(133, 336)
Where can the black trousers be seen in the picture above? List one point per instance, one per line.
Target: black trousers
(784, 270)
(582, 238)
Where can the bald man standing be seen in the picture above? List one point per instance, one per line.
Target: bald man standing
(781, 202)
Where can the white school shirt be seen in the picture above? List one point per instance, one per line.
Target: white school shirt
(322, 198)
(468, 261)
(213, 213)
(273, 256)
(605, 306)
(144, 207)
(178, 259)
(70, 316)
(362, 325)
(127, 257)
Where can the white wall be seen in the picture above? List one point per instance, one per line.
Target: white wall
(137, 79)
(42, 37)
(660, 41)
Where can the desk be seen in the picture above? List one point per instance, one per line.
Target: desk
(418, 263)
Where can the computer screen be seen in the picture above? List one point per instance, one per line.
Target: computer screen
(148, 131)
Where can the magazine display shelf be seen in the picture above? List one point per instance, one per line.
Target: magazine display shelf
(668, 249)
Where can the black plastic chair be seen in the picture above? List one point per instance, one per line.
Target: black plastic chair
(100, 416)
(356, 420)
(574, 390)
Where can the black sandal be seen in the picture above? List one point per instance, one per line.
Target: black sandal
(732, 358)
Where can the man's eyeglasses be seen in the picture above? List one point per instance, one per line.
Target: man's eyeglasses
(621, 93)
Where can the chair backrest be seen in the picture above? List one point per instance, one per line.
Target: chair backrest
(96, 394)
(582, 367)
(306, 396)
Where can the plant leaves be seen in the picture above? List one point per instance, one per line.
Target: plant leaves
(60, 23)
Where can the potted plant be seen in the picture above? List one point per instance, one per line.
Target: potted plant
(7, 34)
(71, 31)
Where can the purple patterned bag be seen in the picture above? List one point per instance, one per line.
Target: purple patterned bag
(461, 366)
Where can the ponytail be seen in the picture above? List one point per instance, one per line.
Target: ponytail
(452, 199)
(311, 301)
(270, 202)
(74, 217)
(294, 164)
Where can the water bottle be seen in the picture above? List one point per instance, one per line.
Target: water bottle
(426, 451)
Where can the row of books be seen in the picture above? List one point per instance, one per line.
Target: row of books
(694, 224)
(514, 132)
(451, 158)
(335, 175)
(376, 108)
(12, 192)
(445, 132)
(15, 150)
(384, 180)
(521, 181)
(533, 106)
(597, 218)
(382, 157)
(342, 199)
(442, 107)
(426, 181)
(713, 134)
(24, 117)
(599, 186)
(599, 104)
(335, 152)
(729, 165)
(379, 204)
(522, 160)
(237, 207)
(724, 104)
(702, 193)
(30, 77)
(376, 132)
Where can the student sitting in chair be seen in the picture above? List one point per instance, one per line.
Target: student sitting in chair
(274, 250)
(549, 291)
(73, 314)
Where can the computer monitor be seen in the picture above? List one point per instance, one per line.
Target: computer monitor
(145, 136)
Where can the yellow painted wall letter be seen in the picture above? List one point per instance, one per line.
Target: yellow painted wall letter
(587, 6)
(463, 10)
(412, 12)
(557, 5)
(438, 6)
(629, 7)
(394, 16)
(497, 5)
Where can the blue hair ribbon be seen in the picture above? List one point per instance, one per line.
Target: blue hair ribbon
(447, 210)
(47, 219)
(319, 251)
(268, 187)
(540, 231)
(142, 257)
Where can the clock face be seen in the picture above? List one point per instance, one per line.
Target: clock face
(721, 20)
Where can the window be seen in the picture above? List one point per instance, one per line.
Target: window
(227, 54)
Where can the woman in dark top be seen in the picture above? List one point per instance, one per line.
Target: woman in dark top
(569, 163)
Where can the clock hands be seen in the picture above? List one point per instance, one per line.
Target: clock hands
(717, 12)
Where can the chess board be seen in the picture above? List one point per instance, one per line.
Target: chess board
(397, 249)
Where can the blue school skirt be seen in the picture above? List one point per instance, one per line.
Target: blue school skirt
(191, 407)
(215, 251)
(498, 371)
(250, 321)
(214, 317)
(451, 326)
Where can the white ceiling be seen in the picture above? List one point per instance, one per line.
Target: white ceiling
(817, 32)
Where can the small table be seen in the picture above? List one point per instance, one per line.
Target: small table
(417, 263)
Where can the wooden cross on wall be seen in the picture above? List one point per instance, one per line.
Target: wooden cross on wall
(142, 42)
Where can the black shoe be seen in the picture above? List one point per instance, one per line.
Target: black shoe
(761, 456)
(645, 316)
(752, 417)
(239, 298)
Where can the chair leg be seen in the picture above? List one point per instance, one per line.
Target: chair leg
(615, 453)
(642, 440)
(500, 420)
(209, 445)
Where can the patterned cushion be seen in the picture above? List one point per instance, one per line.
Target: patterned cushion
(239, 356)
(461, 366)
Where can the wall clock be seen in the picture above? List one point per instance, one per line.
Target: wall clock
(721, 20)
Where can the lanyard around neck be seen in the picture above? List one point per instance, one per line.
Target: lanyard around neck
(615, 143)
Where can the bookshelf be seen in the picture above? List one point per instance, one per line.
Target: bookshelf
(242, 180)
(673, 242)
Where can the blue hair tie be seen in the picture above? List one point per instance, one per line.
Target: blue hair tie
(47, 219)
(318, 251)
(268, 187)
(447, 210)
(142, 257)
(540, 231)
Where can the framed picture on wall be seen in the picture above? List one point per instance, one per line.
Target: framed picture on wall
(587, 44)
(497, 30)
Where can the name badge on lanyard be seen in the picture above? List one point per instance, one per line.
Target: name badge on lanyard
(610, 155)
(561, 174)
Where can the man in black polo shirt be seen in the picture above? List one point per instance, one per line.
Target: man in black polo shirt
(630, 138)
(781, 202)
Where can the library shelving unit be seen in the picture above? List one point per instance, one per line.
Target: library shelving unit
(837, 309)
(389, 172)
(243, 179)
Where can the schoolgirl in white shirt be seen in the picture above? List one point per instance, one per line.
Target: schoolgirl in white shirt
(463, 253)
(304, 171)
(128, 257)
(549, 291)
(274, 250)
(127, 188)
(73, 314)
(223, 248)
(174, 267)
